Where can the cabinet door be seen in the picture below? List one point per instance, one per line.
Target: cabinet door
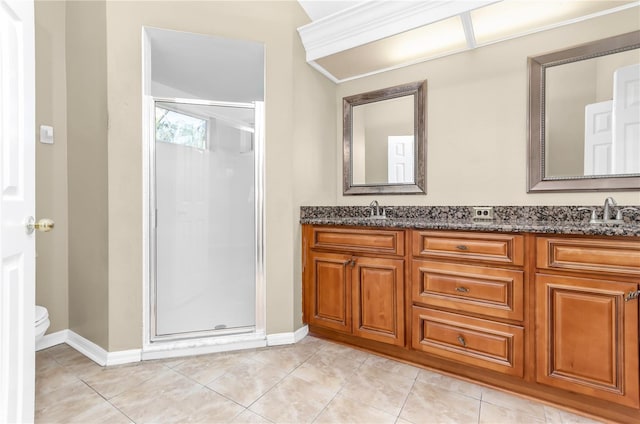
(330, 291)
(378, 299)
(587, 337)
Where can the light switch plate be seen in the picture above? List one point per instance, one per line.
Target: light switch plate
(46, 134)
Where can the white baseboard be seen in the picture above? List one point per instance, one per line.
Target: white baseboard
(124, 357)
(53, 339)
(100, 356)
(287, 338)
(301, 333)
(88, 348)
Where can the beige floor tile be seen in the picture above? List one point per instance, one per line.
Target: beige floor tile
(559, 416)
(249, 417)
(389, 365)
(345, 410)
(203, 405)
(327, 371)
(506, 400)
(314, 379)
(76, 403)
(206, 368)
(158, 399)
(342, 351)
(74, 389)
(72, 360)
(311, 340)
(427, 404)
(53, 377)
(44, 361)
(450, 383)
(63, 353)
(293, 401)
(286, 358)
(378, 388)
(111, 381)
(493, 414)
(247, 382)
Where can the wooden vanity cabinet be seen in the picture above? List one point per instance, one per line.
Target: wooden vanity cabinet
(354, 282)
(586, 326)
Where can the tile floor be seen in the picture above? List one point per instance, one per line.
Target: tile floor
(314, 381)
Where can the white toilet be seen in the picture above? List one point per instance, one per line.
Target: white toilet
(42, 321)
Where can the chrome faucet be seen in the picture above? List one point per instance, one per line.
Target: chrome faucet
(607, 215)
(609, 202)
(376, 205)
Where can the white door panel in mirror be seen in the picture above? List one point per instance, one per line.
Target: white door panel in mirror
(590, 128)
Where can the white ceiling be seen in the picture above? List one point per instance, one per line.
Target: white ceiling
(318, 9)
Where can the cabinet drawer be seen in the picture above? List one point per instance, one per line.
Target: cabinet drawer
(354, 240)
(483, 343)
(486, 247)
(574, 254)
(497, 293)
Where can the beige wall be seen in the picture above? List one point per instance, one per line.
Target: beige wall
(313, 161)
(52, 269)
(87, 170)
(477, 120)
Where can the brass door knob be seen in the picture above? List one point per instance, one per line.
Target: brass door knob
(45, 225)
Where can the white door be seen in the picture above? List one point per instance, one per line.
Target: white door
(598, 138)
(400, 159)
(626, 120)
(17, 202)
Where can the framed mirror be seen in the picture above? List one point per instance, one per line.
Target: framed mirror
(584, 117)
(385, 141)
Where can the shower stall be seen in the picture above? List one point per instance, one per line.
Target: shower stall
(204, 196)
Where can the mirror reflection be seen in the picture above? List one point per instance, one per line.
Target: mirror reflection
(383, 142)
(592, 116)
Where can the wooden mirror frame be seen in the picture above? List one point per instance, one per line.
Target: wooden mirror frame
(419, 92)
(537, 181)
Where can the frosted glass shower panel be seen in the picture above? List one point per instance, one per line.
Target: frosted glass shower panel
(205, 235)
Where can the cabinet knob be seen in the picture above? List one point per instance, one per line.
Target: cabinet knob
(462, 341)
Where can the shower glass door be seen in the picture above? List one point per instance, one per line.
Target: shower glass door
(204, 241)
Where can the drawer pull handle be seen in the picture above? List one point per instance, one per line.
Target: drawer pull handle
(462, 247)
(632, 295)
(462, 289)
(462, 341)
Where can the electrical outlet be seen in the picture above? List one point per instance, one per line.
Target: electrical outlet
(482, 212)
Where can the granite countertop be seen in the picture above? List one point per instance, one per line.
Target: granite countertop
(549, 220)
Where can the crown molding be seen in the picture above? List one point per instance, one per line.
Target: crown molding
(375, 20)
